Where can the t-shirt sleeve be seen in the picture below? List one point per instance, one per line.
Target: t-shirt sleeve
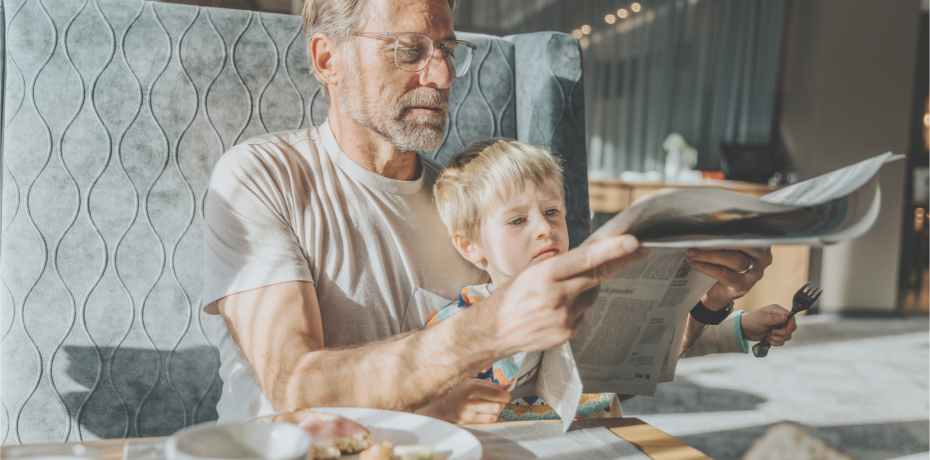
(249, 241)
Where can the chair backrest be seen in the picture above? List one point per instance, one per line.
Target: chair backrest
(114, 113)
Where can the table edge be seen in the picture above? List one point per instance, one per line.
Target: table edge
(653, 442)
(650, 440)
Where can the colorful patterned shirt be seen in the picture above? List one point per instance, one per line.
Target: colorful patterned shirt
(504, 371)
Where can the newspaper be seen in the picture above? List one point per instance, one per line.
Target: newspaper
(630, 337)
(587, 439)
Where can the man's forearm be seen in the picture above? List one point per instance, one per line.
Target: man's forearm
(401, 373)
(279, 330)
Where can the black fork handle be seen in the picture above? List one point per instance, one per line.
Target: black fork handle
(761, 349)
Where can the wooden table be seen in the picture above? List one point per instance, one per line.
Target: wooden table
(653, 442)
(614, 195)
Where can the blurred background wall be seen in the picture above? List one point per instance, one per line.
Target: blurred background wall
(706, 69)
(847, 94)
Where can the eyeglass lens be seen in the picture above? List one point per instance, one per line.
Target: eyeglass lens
(412, 52)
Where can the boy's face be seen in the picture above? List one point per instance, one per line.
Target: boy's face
(527, 229)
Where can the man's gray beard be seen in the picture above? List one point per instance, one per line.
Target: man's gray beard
(422, 135)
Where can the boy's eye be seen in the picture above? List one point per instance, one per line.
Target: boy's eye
(518, 221)
(551, 212)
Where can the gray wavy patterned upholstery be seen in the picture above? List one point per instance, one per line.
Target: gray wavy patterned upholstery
(114, 113)
(550, 112)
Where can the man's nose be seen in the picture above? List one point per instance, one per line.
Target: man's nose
(438, 72)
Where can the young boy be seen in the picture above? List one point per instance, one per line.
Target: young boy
(503, 203)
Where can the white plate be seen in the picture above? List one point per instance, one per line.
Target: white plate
(401, 428)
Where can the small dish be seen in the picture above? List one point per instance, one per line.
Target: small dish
(246, 441)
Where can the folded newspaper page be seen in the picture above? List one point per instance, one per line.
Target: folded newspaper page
(834, 207)
(630, 339)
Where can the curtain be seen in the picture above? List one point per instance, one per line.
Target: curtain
(706, 69)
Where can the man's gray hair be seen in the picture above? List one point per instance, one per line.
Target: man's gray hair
(337, 19)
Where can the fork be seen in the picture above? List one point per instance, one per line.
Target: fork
(803, 299)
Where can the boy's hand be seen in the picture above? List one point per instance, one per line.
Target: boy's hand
(758, 324)
(474, 401)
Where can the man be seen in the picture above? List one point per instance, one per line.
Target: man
(323, 252)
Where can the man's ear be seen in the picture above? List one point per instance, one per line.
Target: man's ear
(469, 250)
(323, 52)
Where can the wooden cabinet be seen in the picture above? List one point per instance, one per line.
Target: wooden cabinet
(790, 267)
(613, 196)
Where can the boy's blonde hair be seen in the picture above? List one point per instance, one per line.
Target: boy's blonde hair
(488, 173)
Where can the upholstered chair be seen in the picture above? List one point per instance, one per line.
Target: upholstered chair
(114, 113)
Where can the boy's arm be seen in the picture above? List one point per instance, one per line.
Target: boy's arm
(734, 333)
(709, 339)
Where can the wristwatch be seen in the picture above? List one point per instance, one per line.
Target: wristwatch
(707, 316)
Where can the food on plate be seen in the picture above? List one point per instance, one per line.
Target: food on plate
(385, 451)
(332, 434)
(423, 452)
(380, 451)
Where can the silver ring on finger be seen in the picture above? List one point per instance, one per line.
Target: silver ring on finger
(747, 268)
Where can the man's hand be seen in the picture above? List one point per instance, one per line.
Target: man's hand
(544, 305)
(736, 271)
(758, 324)
(475, 401)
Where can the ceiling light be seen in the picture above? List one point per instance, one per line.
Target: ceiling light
(623, 13)
(636, 7)
(586, 29)
(610, 19)
(577, 34)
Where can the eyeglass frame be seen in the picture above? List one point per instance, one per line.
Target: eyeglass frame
(433, 44)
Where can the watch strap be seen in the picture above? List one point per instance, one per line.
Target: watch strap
(707, 316)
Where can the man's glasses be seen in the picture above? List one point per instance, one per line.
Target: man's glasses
(413, 51)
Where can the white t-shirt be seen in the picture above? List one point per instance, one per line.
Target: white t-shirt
(291, 206)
